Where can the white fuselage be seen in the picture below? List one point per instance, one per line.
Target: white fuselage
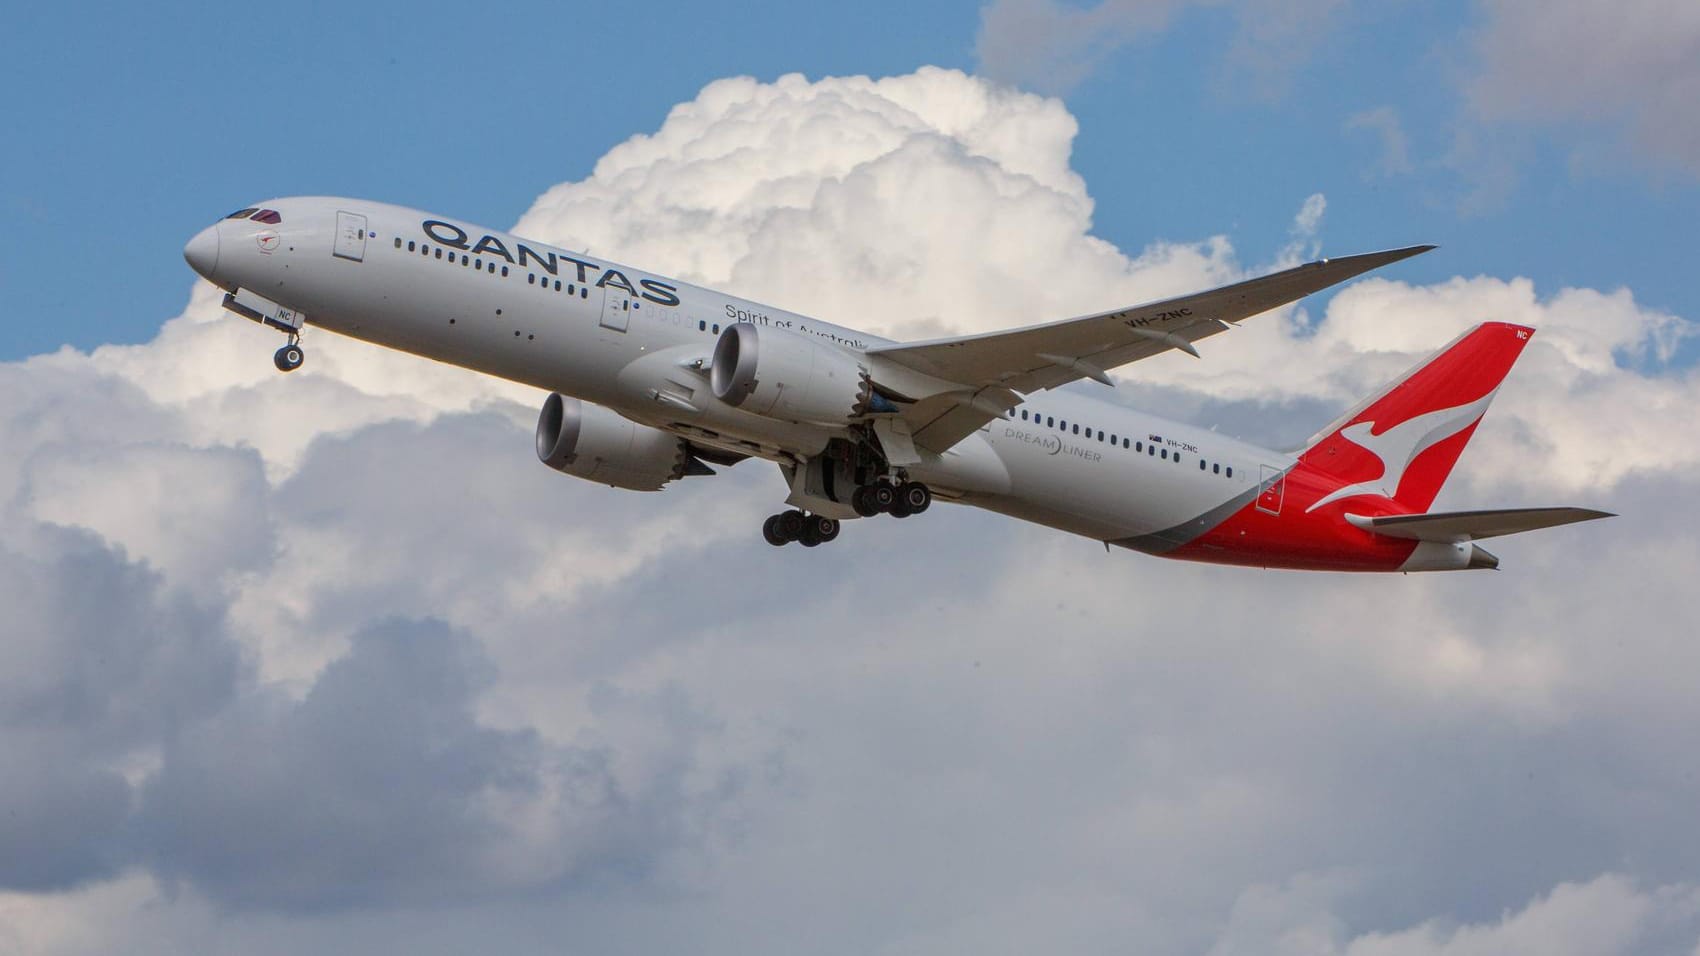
(625, 338)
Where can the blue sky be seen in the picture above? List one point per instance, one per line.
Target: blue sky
(135, 132)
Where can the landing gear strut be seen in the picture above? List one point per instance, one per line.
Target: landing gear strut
(809, 530)
(290, 357)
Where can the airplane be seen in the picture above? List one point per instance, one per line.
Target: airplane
(652, 380)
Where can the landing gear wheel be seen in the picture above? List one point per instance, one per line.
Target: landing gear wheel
(900, 508)
(882, 496)
(861, 503)
(770, 531)
(810, 536)
(790, 524)
(916, 496)
(289, 358)
(824, 528)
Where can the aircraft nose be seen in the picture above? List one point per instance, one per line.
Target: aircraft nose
(202, 252)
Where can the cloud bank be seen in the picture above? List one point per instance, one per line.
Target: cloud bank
(1631, 68)
(327, 661)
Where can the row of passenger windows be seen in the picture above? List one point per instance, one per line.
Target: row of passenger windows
(583, 291)
(479, 264)
(1137, 446)
(426, 249)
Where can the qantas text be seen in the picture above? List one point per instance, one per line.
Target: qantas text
(549, 261)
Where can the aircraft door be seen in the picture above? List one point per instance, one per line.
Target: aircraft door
(1271, 489)
(350, 236)
(616, 309)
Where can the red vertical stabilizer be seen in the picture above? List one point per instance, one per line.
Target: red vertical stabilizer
(1403, 442)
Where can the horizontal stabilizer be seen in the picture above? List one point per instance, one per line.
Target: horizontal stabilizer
(1455, 526)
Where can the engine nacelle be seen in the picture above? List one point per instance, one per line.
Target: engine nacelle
(594, 443)
(788, 375)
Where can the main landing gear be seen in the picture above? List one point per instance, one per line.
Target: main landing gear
(788, 526)
(290, 357)
(900, 500)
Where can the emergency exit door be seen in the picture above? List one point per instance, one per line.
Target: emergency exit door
(350, 236)
(616, 309)
(1271, 489)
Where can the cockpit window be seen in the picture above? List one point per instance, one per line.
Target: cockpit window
(243, 213)
(267, 216)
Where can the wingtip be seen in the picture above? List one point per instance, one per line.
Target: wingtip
(1375, 260)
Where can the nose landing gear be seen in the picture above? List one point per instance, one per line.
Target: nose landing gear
(290, 357)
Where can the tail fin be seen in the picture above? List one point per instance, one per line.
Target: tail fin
(1402, 442)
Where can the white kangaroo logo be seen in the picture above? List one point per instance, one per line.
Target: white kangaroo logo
(1400, 445)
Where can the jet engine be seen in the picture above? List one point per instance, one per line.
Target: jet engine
(788, 375)
(594, 443)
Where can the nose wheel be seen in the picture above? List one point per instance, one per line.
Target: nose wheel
(290, 357)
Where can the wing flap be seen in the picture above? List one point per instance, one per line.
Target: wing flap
(1457, 526)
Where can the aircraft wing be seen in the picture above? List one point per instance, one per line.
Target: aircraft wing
(994, 366)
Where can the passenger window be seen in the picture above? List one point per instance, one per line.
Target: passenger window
(478, 264)
(410, 245)
(531, 278)
(439, 253)
(702, 326)
(1230, 471)
(398, 242)
(504, 272)
(1125, 443)
(1077, 429)
(1216, 469)
(1200, 464)
(1050, 422)
(557, 285)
